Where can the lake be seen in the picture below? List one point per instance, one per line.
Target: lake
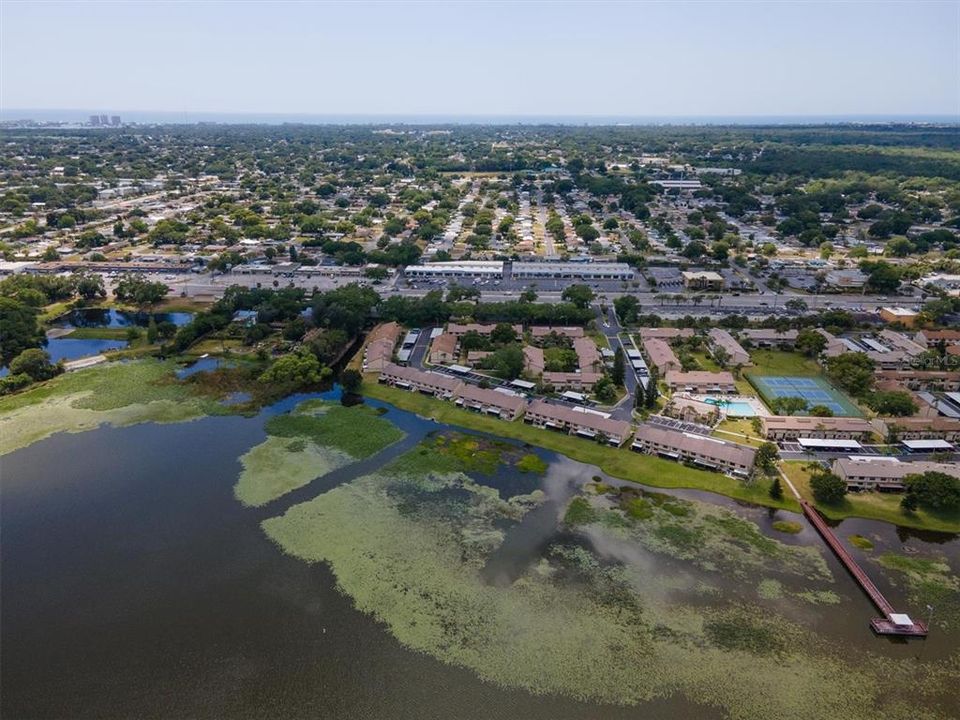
(111, 318)
(135, 585)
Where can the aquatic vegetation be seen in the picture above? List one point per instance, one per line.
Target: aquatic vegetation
(820, 597)
(708, 536)
(278, 465)
(358, 431)
(531, 463)
(580, 512)
(787, 526)
(861, 542)
(770, 589)
(409, 546)
(314, 439)
(118, 394)
(930, 581)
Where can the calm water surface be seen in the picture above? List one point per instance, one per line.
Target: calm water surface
(134, 585)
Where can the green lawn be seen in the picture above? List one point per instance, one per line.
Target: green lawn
(872, 505)
(734, 430)
(780, 362)
(618, 462)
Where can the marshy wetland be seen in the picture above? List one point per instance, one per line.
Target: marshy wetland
(310, 558)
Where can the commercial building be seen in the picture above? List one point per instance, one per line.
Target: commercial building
(443, 349)
(883, 473)
(948, 283)
(782, 427)
(702, 280)
(484, 269)
(898, 315)
(661, 356)
(769, 338)
(572, 270)
(381, 342)
(699, 450)
(586, 424)
(701, 381)
(845, 279)
(506, 406)
(736, 355)
(428, 383)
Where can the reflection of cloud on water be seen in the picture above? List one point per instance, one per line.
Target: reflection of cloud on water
(564, 477)
(646, 570)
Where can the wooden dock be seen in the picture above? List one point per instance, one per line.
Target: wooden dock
(892, 623)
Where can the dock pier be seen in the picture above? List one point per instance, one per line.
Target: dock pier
(892, 622)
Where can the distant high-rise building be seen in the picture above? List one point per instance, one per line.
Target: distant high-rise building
(94, 119)
(104, 120)
(114, 120)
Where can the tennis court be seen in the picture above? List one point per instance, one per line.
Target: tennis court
(815, 390)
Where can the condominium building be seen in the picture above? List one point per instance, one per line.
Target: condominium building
(699, 450)
(533, 361)
(932, 338)
(784, 427)
(883, 473)
(538, 332)
(665, 333)
(769, 338)
(924, 428)
(506, 406)
(586, 424)
(484, 329)
(721, 339)
(443, 349)
(701, 381)
(581, 380)
(921, 379)
(426, 382)
(661, 356)
(380, 345)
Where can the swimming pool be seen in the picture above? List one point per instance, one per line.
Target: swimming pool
(733, 408)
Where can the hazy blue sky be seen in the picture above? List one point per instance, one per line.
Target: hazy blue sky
(631, 59)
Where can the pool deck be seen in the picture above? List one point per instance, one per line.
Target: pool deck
(759, 409)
